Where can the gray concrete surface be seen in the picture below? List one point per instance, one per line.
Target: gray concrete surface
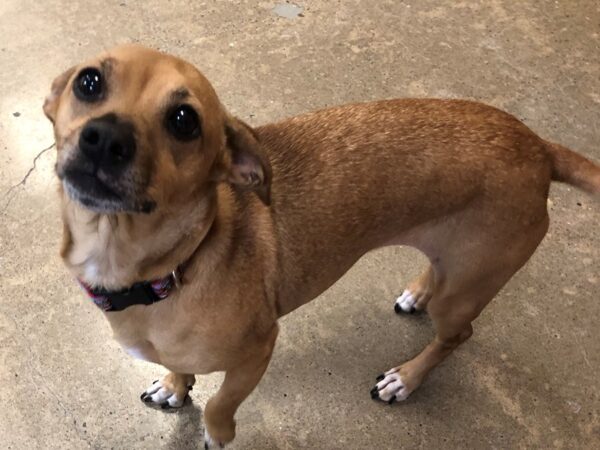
(529, 376)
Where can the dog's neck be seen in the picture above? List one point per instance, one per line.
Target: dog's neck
(115, 251)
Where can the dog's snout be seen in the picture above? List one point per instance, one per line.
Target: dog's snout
(108, 141)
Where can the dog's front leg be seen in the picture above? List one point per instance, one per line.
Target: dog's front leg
(239, 382)
(170, 392)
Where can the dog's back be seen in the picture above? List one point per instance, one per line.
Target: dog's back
(384, 169)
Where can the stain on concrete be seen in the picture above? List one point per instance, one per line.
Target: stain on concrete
(288, 10)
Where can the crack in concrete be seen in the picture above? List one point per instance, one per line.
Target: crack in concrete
(583, 352)
(24, 179)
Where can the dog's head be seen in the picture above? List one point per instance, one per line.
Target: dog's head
(137, 130)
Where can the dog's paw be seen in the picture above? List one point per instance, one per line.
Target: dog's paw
(405, 303)
(210, 443)
(411, 302)
(390, 388)
(164, 394)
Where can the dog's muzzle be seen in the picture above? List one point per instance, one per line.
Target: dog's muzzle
(101, 173)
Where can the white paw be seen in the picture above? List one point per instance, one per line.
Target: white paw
(405, 303)
(390, 388)
(209, 442)
(158, 394)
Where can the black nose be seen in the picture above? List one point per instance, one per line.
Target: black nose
(108, 141)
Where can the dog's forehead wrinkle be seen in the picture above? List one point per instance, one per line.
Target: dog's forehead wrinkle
(179, 94)
(176, 96)
(107, 65)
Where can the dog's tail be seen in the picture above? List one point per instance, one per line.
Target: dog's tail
(572, 168)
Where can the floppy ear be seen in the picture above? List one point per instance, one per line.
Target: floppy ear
(245, 166)
(52, 100)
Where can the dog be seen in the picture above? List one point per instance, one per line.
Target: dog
(195, 232)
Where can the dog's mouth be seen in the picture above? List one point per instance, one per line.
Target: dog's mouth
(89, 185)
(99, 196)
(93, 193)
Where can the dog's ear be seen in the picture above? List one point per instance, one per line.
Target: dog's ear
(53, 99)
(244, 164)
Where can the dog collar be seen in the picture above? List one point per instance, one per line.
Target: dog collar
(142, 293)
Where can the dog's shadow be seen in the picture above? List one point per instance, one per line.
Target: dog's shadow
(188, 431)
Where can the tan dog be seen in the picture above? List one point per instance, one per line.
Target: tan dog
(157, 177)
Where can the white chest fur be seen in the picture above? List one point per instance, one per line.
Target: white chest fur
(136, 352)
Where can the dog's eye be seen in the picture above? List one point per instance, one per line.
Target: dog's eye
(183, 123)
(88, 85)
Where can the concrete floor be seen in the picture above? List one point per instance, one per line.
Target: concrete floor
(529, 376)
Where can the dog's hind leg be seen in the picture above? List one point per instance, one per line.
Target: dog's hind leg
(418, 293)
(468, 282)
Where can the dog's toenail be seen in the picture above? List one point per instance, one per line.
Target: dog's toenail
(205, 446)
(165, 405)
(380, 377)
(392, 400)
(147, 399)
(375, 394)
(397, 308)
(143, 396)
(155, 381)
